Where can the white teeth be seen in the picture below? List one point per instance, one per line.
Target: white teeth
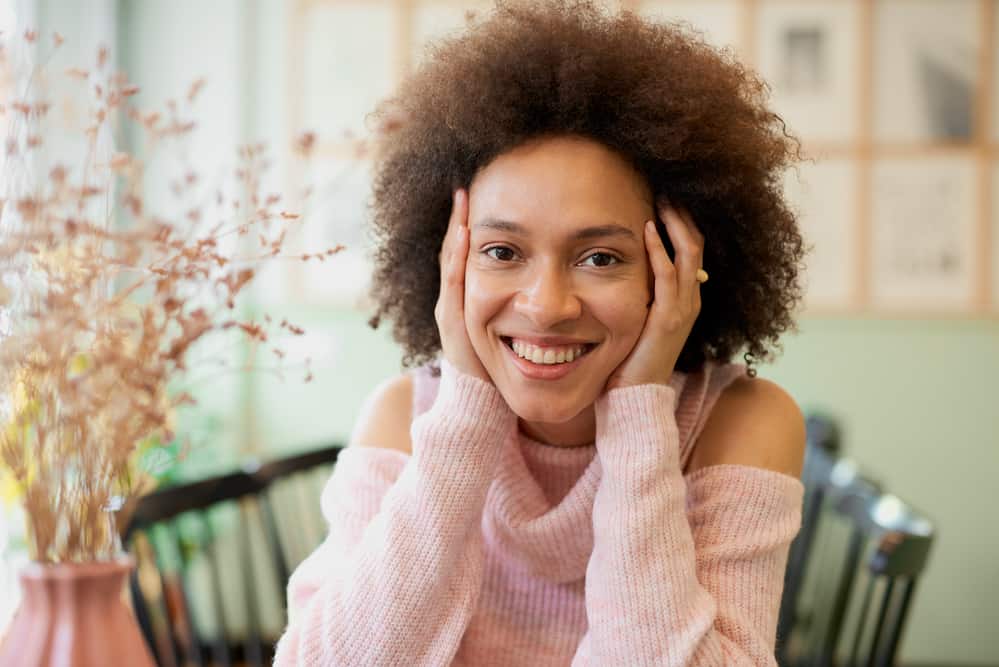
(547, 356)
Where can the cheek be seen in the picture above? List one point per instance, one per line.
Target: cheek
(624, 312)
(628, 315)
(483, 299)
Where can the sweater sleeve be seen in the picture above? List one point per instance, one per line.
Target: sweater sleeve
(682, 572)
(400, 589)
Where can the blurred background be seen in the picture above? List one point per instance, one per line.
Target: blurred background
(896, 101)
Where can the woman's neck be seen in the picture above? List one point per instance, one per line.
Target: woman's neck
(579, 431)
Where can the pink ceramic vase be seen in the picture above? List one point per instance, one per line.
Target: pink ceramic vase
(73, 615)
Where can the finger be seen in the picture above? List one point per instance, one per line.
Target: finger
(453, 230)
(691, 225)
(699, 260)
(458, 252)
(688, 251)
(445, 262)
(662, 268)
(452, 225)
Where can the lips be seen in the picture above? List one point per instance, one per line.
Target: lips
(535, 371)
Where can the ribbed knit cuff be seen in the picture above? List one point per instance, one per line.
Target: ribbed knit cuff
(636, 426)
(463, 432)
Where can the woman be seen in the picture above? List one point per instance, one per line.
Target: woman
(584, 477)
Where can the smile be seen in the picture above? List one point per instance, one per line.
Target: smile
(548, 371)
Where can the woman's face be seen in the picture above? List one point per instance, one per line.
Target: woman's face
(556, 250)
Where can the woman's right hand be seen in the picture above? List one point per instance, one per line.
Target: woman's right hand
(450, 309)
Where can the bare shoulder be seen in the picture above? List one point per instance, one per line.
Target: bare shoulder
(385, 416)
(754, 422)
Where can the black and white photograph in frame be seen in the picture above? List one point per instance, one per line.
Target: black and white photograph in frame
(719, 20)
(823, 195)
(925, 70)
(809, 53)
(923, 223)
(354, 44)
(337, 214)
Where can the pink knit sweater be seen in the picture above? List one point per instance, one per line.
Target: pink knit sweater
(486, 548)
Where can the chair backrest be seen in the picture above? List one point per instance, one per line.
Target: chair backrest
(214, 556)
(820, 457)
(855, 582)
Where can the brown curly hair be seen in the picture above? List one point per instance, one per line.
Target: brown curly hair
(692, 120)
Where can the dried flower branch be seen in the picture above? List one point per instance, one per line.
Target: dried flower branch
(101, 302)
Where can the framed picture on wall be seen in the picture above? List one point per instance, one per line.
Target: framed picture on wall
(718, 20)
(923, 233)
(808, 53)
(349, 55)
(823, 195)
(337, 215)
(925, 70)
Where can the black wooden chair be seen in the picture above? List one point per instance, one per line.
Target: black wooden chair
(823, 446)
(853, 575)
(213, 559)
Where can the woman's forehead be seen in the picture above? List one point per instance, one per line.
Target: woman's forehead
(578, 179)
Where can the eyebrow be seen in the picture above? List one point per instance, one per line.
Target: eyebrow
(585, 234)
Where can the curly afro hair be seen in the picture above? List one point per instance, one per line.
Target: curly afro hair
(692, 120)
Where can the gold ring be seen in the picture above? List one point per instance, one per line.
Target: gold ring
(702, 276)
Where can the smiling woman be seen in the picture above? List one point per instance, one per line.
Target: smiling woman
(573, 470)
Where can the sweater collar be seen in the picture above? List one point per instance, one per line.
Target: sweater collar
(539, 509)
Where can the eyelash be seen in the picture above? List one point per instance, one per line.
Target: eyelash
(617, 260)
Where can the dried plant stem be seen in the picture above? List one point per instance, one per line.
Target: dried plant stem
(108, 302)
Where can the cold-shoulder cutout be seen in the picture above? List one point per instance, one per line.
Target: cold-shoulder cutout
(754, 423)
(385, 416)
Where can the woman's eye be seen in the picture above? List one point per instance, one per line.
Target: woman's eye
(604, 259)
(507, 253)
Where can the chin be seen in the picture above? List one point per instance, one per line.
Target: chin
(547, 414)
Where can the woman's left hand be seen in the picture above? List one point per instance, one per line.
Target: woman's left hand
(675, 306)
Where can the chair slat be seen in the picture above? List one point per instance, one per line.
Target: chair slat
(193, 646)
(172, 658)
(880, 624)
(274, 538)
(253, 646)
(221, 643)
(862, 621)
(141, 610)
(895, 633)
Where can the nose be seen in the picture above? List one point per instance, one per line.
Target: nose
(547, 298)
